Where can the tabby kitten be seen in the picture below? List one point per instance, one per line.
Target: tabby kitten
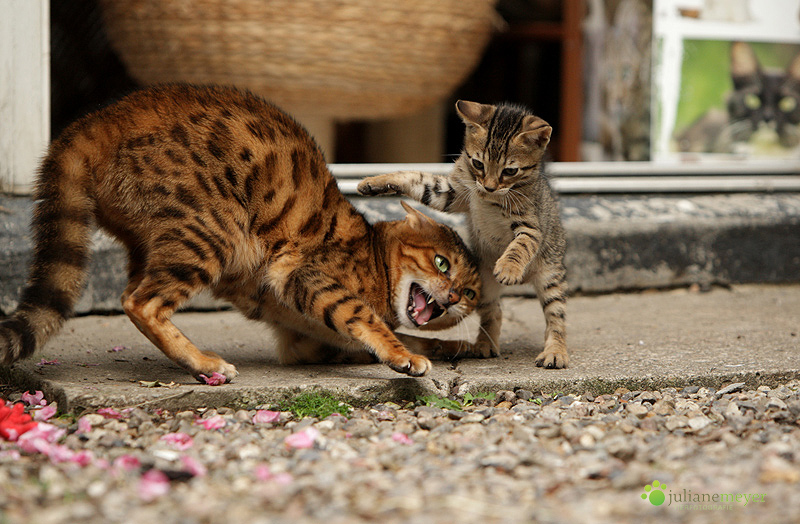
(213, 188)
(512, 215)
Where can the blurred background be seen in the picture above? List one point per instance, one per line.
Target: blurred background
(375, 81)
(378, 87)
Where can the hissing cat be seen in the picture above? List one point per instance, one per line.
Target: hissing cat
(763, 102)
(213, 188)
(512, 215)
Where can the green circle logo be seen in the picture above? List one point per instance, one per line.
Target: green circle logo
(656, 495)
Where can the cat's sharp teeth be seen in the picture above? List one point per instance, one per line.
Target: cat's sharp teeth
(415, 314)
(430, 299)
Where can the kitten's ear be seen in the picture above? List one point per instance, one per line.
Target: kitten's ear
(473, 113)
(415, 219)
(535, 132)
(743, 60)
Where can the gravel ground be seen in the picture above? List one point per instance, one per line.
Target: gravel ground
(732, 454)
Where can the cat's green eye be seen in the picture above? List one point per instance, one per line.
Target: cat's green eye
(441, 263)
(470, 294)
(752, 101)
(510, 171)
(787, 104)
(477, 164)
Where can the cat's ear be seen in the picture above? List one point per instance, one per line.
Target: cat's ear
(473, 113)
(535, 132)
(743, 60)
(416, 219)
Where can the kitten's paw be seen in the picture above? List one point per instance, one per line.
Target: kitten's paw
(552, 359)
(485, 349)
(413, 365)
(509, 272)
(377, 185)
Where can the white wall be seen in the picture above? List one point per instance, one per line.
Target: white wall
(24, 91)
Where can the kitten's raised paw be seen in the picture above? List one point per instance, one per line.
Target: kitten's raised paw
(552, 360)
(413, 365)
(509, 272)
(376, 185)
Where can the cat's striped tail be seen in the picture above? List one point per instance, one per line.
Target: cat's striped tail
(62, 224)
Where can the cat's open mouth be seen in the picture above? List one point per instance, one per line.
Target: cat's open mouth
(422, 308)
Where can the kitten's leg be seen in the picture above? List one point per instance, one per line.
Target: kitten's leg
(510, 268)
(154, 293)
(434, 191)
(550, 285)
(326, 300)
(490, 315)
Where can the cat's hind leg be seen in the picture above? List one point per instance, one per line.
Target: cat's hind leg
(551, 288)
(155, 291)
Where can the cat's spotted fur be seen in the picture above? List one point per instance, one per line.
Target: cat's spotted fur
(213, 188)
(512, 215)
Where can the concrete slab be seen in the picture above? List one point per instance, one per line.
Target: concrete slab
(748, 333)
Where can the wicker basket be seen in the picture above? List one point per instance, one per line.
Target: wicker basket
(344, 59)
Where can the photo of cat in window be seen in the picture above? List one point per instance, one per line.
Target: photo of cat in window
(756, 115)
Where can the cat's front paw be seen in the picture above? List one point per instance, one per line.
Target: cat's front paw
(377, 185)
(412, 365)
(215, 364)
(509, 272)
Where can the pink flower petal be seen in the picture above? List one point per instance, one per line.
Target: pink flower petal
(180, 441)
(45, 413)
(127, 463)
(84, 425)
(152, 485)
(402, 438)
(35, 399)
(283, 478)
(12, 454)
(262, 472)
(83, 458)
(264, 416)
(215, 422)
(216, 379)
(37, 439)
(109, 413)
(44, 362)
(116, 349)
(302, 439)
(59, 453)
(193, 466)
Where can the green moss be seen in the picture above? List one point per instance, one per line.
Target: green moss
(318, 405)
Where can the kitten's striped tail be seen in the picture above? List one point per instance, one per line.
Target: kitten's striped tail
(61, 226)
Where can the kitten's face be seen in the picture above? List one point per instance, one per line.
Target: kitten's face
(435, 280)
(503, 147)
(763, 100)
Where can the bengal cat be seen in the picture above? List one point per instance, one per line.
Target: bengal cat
(512, 215)
(214, 188)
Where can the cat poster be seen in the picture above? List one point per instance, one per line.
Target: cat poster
(726, 80)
